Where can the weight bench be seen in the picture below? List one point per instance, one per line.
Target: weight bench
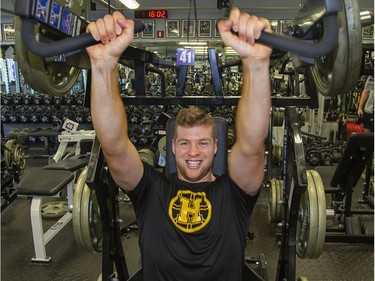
(357, 155)
(49, 182)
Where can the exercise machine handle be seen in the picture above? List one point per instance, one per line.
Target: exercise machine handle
(305, 48)
(63, 46)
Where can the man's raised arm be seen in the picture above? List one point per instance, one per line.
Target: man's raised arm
(107, 109)
(246, 161)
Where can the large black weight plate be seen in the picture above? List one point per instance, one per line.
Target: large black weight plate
(338, 72)
(41, 75)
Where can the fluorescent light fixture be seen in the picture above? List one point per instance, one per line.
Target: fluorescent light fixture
(192, 43)
(130, 4)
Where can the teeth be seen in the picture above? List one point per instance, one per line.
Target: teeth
(194, 163)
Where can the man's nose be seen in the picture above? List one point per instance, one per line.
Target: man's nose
(194, 150)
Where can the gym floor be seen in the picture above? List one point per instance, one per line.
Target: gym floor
(339, 261)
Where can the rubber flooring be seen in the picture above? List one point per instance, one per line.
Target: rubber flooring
(339, 261)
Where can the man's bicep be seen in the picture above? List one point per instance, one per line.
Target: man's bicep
(247, 171)
(126, 167)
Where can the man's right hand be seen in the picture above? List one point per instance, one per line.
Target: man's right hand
(115, 33)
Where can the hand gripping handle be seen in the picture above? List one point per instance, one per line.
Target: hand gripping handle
(63, 46)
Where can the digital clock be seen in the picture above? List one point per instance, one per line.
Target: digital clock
(151, 14)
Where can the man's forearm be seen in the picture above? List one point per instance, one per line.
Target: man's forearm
(107, 108)
(254, 106)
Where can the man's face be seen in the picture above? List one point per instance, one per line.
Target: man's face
(194, 150)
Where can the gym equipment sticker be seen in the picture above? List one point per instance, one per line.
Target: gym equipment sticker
(190, 211)
(185, 56)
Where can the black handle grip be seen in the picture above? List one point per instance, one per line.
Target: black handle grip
(62, 46)
(306, 48)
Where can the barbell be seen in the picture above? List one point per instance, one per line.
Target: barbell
(335, 51)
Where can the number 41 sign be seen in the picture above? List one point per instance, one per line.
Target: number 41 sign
(185, 56)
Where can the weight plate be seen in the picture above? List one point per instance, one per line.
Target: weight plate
(272, 202)
(40, 74)
(54, 209)
(280, 214)
(307, 223)
(277, 184)
(322, 217)
(91, 221)
(15, 154)
(8, 152)
(339, 71)
(77, 201)
(148, 156)
(162, 146)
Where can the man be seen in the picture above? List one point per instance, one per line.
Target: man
(192, 226)
(366, 105)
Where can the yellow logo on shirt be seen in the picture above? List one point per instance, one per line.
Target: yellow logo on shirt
(190, 211)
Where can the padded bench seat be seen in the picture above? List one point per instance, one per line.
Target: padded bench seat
(70, 164)
(45, 133)
(44, 182)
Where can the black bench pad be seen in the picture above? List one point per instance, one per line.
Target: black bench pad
(44, 182)
(70, 164)
(45, 133)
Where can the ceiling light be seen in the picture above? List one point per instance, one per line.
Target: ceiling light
(130, 4)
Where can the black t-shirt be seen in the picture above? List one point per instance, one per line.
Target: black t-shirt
(191, 231)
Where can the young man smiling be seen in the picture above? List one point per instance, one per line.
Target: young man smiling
(193, 225)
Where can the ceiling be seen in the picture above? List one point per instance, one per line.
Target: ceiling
(181, 10)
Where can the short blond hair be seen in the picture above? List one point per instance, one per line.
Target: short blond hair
(194, 116)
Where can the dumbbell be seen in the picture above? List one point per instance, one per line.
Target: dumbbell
(67, 114)
(135, 116)
(23, 135)
(13, 133)
(135, 134)
(4, 114)
(147, 115)
(79, 115)
(229, 116)
(217, 112)
(24, 116)
(7, 99)
(69, 100)
(80, 98)
(38, 99)
(336, 154)
(57, 100)
(35, 117)
(326, 156)
(231, 137)
(13, 116)
(313, 156)
(47, 99)
(28, 99)
(87, 117)
(17, 99)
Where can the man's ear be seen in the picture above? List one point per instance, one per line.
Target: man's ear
(215, 146)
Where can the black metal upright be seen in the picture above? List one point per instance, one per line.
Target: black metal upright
(100, 180)
(295, 183)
